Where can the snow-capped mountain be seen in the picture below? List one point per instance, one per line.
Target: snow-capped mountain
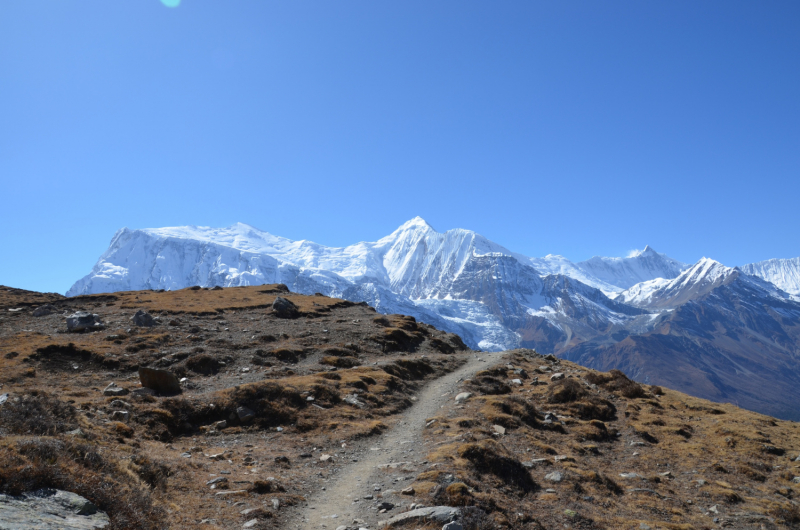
(496, 299)
(639, 266)
(613, 275)
(691, 284)
(480, 289)
(736, 339)
(784, 273)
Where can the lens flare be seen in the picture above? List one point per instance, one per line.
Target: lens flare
(171, 3)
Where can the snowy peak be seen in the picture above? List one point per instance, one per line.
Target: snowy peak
(696, 281)
(639, 266)
(784, 273)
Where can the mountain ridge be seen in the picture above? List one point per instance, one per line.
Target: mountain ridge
(494, 298)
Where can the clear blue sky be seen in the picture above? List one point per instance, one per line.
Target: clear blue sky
(573, 128)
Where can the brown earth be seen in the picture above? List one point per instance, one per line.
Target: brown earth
(376, 383)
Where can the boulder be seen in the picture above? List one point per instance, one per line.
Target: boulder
(555, 476)
(162, 381)
(283, 308)
(50, 508)
(44, 310)
(453, 526)
(143, 319)
(245, 414)
(557, 376)
(435, 514)
(83, 321)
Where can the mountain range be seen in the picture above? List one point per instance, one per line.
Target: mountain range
(721, 333)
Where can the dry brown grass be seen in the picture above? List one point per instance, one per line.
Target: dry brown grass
(713, 455)
(142, 457)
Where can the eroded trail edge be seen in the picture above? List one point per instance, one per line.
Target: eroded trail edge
(382, 461)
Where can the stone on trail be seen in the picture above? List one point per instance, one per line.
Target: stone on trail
(143, 319)
(162, 381)
(436, 514)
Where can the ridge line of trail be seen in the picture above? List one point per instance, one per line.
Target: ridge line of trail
(402, 443)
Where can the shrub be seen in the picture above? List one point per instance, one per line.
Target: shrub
(490, 457)
(565, 391)
(37, 413)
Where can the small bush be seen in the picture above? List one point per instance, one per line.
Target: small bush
(37, 413)
(204, 364)
(490, 457)
(489, 385)
(565, 391)
(340, 362)
(618, 382)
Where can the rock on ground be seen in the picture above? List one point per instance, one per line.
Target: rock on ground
(44, 310)
(48, 509)
(83, 321)
(283, 308)
(438, 514)
(162, 381)
(143, 319)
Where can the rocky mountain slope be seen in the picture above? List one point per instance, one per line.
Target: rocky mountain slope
(496, 299)
(287, 400)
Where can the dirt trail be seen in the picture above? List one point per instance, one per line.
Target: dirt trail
(343, 500)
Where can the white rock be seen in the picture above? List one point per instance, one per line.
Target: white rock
(463, 396)
(555, 476)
